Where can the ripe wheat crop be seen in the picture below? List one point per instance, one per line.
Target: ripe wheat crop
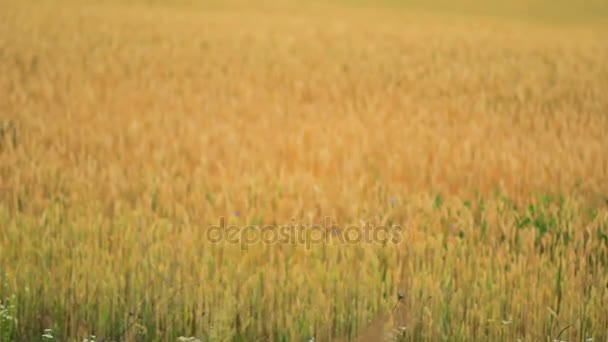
(129, 129)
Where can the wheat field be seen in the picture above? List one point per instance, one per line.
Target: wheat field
(129, 129)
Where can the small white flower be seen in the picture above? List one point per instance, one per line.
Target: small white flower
(188, 339)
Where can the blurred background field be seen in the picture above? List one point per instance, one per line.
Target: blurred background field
(560, 11)
(127, 128)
